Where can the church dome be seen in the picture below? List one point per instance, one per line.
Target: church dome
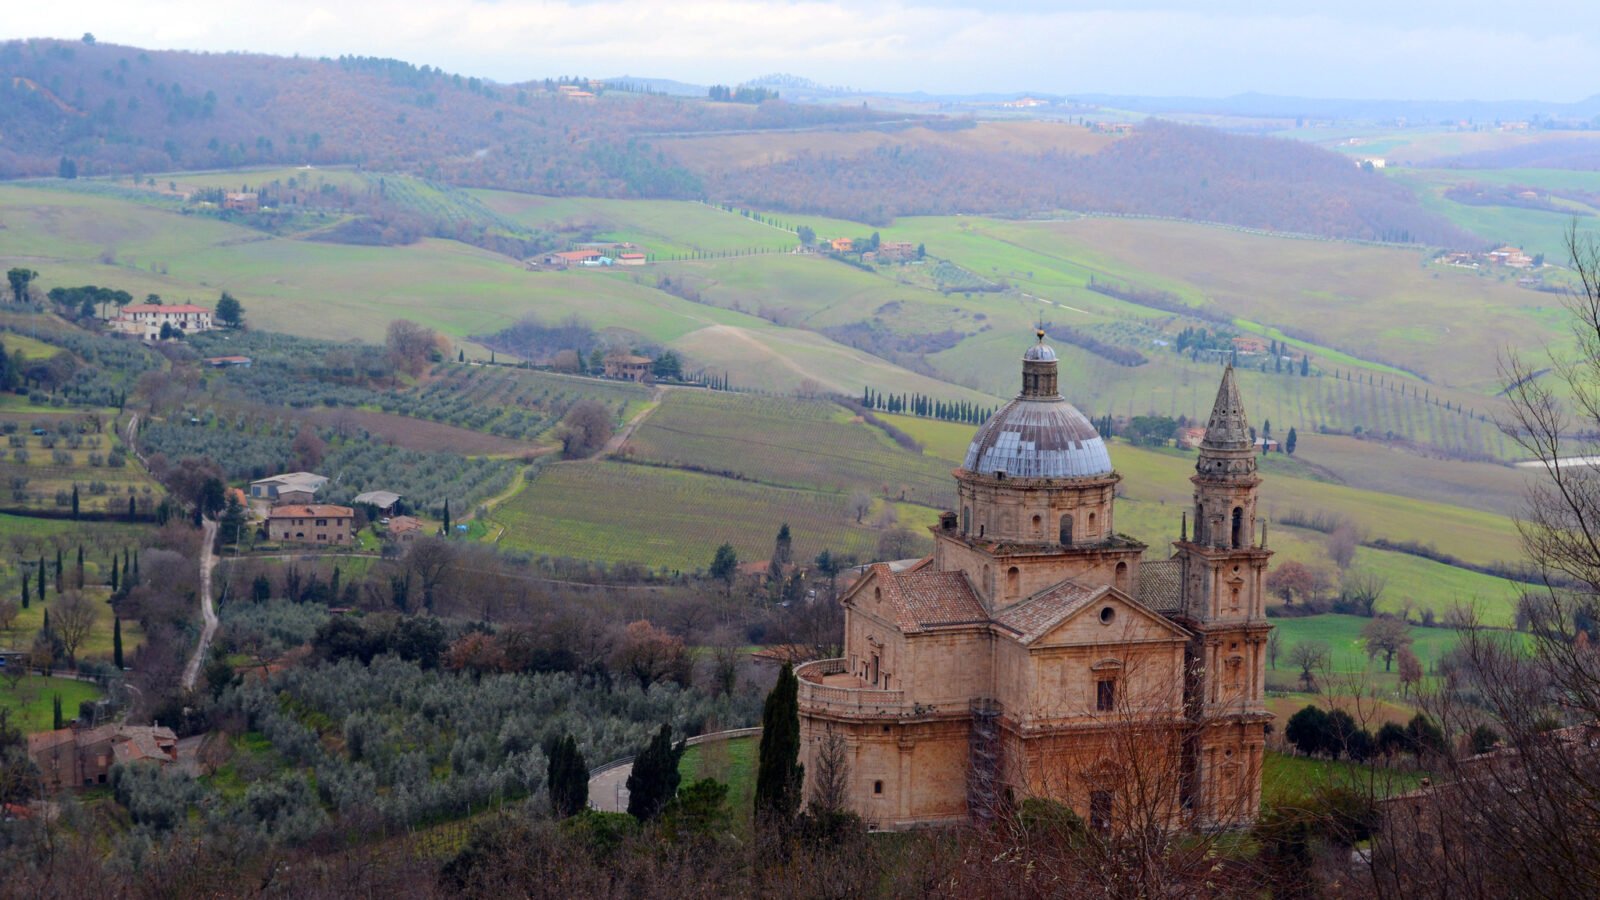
(1038, 434)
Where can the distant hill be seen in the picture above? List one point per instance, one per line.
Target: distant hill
(1162, 169)
(113, 109)
(107, 109)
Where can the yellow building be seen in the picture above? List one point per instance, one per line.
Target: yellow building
(1039, 653)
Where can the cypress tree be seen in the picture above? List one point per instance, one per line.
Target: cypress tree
(654, 781)
(780, 775)
(80, 567)
(74, 503)
(114, 573)
(57, 704)
(116, 642)
(447, 517)
(26, 589)
(135, 567)
(568, 777)
(58, 571)
(41, 579)
(131, 512)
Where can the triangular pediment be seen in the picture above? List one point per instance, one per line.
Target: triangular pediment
(1107, 616)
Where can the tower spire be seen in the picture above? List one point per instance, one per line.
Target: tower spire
(1227, 428)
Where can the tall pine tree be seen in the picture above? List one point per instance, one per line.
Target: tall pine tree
(780, 776)
(116, 641)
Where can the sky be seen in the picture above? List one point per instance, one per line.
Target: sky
(1362, 49)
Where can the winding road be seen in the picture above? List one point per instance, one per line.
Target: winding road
(191, 672)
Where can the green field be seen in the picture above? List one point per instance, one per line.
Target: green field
(32, 703)
(786, 442)
(668, 518)
(1342, 634)
(1289, 780)
(732, 762)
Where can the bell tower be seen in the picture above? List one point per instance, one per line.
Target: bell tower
(1224, 573)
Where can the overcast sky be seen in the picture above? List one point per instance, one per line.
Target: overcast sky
(1396, 49)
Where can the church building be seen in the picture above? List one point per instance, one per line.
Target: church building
(1040, 653)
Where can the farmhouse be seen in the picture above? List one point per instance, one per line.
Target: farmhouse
(631, 259)
(73, 757)
(842, 245)
(1037, 653)
(144, 320)
(565, 258)
(242, 202)
(228, 362)
(1511, 257)
(312, 524)
(628, 367)
(295, 487)
(897, 250)
(404, 528)
(1189, 438)
(1247, 344)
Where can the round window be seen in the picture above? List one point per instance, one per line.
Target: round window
(1106, 615)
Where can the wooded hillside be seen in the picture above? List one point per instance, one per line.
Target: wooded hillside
(1163, 169)
(113, 109)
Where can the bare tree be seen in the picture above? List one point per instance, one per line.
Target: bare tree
(9, 610)
(73, 620)
(1386, 635)
(585, 429)
(1363, 586)
(1309, 657)
(410, 346)
(1342, 543)
(1274, 647)
(860, 504)
(830, 783)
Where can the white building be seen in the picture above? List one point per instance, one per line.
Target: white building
(144, 320)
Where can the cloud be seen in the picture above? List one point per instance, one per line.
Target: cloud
(1359, 48)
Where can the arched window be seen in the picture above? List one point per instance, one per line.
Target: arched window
(1238, 527)
(1038, 526)
(1122, 577)
(966, 519)
(1199, 524)
(1066, 530)
(1013, 581)
(1091, 530)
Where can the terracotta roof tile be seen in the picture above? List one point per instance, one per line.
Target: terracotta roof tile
(1030, 619)
(923, 600)
(1161, 584)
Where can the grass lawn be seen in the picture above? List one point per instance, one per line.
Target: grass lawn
(1288, 779)
(1342, 634)
(732, 762)
(31, 704)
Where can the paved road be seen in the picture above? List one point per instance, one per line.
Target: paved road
(191, 672)
(608, 791)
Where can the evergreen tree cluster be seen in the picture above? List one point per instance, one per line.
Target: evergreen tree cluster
(963, 411)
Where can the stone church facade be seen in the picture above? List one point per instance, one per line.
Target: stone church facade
(1039, 653)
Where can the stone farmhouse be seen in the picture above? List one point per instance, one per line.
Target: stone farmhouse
(313, 524)
(294, 487)
(627, 366)
(144, 320)
(1038, 652)
(73, 757)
